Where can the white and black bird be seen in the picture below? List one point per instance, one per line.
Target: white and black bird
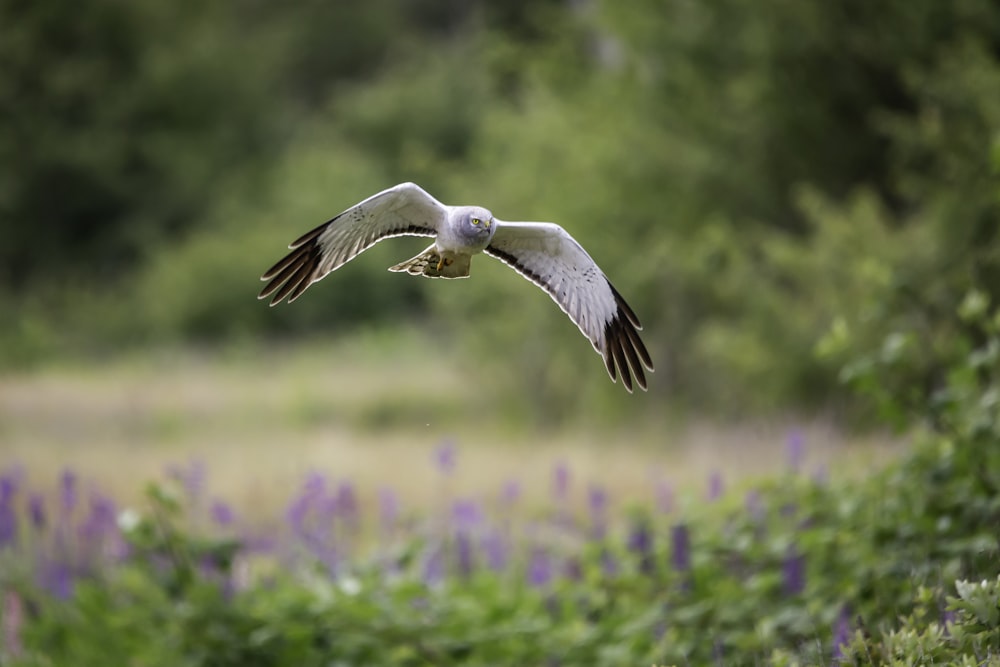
(542, 252)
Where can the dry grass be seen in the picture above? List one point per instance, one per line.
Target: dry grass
(259, 421)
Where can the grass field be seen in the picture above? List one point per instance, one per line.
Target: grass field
(259, 420)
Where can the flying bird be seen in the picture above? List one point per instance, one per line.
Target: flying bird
(542, 252)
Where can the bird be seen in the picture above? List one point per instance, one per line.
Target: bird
(542, 252)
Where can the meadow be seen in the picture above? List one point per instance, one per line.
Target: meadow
(261, 419)
(250, 507)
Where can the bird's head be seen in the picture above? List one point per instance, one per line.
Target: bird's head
(476, 223)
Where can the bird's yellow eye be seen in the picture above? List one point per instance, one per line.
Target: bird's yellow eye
(476, 221)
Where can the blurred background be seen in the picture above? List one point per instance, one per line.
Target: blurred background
(773, 187)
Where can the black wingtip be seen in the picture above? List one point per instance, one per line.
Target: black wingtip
(624, 353)
(624, 309)
(293, 273)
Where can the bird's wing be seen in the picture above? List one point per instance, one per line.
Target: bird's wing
(403, 210)
(547, 255)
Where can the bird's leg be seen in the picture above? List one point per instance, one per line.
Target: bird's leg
(443, 262)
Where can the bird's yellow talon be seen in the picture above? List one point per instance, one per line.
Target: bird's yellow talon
(440, 264)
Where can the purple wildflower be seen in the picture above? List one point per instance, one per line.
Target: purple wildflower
(8, 525)
(260, 543)
(99, 532)
(311, 517)
(434, 566)
(560, 482)
(57, 579)
(511, 492)
(680, 555)
(464, 554)
(841, 632)
(195, 481)
(102, 513)
(315, 484)
(11, 479)
(36, 510)
(346, 504)
(539, 568)
(597, 502)
(444, 457)
(8, 485)
(572, 569)
(948, 618)
(313, 492)
(715, 485)
(8, 517)
(793, 572)
(325, 510)
(495, 548)
(388, 510)
(297, 513)
(222, 513)
(466, 515)
(67, 493)
(640, 543)
(795, 447)
(609, 565)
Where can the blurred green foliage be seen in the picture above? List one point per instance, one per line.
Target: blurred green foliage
(762, 182)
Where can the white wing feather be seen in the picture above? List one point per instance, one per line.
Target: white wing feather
(542, 252)
(552, 259)
(403, 210)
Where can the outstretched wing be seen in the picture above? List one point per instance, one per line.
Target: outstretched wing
(552, 259)
(403, 210)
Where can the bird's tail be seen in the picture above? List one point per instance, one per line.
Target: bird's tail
(431, 264)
